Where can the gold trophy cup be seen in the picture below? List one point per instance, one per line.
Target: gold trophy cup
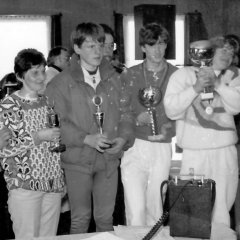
(201, 53)
(150, 97)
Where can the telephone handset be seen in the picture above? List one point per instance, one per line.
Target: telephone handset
(165, 214)
(156, 227)
(161, 220)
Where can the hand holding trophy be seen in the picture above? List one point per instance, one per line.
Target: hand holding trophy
(150, 97)
(98, 115)
(54, 121)
(201, 53)
(99, 119)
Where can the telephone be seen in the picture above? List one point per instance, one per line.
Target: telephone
(197, 193)
(162, 219)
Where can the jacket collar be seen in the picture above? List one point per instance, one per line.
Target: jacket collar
(105, 68)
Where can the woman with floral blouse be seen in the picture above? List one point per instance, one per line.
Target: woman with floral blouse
(32, 172)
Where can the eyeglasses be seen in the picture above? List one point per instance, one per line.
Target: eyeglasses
(90, 45)
(109, 45)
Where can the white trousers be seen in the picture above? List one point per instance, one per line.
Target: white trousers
(144, 167)
(33, 213)
(221, 165)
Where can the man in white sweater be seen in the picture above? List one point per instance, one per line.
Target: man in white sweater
(208, 138)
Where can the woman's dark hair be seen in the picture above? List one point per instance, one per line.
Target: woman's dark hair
(27, 58)
(220, 41)
(150, 34)
(236, 39)
(108, 30)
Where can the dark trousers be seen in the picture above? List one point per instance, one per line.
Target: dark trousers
(81, 188)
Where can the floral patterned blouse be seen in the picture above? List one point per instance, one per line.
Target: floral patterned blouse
(26, 164)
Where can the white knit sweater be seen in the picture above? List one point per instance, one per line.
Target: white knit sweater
(195, 128)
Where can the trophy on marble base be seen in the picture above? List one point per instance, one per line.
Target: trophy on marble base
(150, 97)
(201, 53)
(98, 115)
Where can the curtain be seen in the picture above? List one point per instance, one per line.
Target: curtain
(56, 30)
(118, 29)
(195, 30)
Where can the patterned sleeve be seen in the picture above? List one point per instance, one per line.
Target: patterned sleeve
(11, 116)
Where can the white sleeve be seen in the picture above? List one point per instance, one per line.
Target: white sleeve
(230, 94)
(180, 93)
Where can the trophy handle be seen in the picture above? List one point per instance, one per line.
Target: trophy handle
(154, 126)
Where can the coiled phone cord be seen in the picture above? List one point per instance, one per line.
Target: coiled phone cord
(165, 214)
(156, 227)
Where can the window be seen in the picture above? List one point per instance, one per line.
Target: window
(129, 41)
(19, 32)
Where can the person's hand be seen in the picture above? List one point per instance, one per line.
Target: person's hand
(49, 134)
(98, 141)
(5, 135)
(117, 145)
(162, 135)
(143, 118)
(205, 78)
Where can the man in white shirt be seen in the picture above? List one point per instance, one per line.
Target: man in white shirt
(58, 60)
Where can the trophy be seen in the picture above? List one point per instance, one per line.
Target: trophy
(54, 121)
(98, 115)
(201, 53)
(150, 97)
